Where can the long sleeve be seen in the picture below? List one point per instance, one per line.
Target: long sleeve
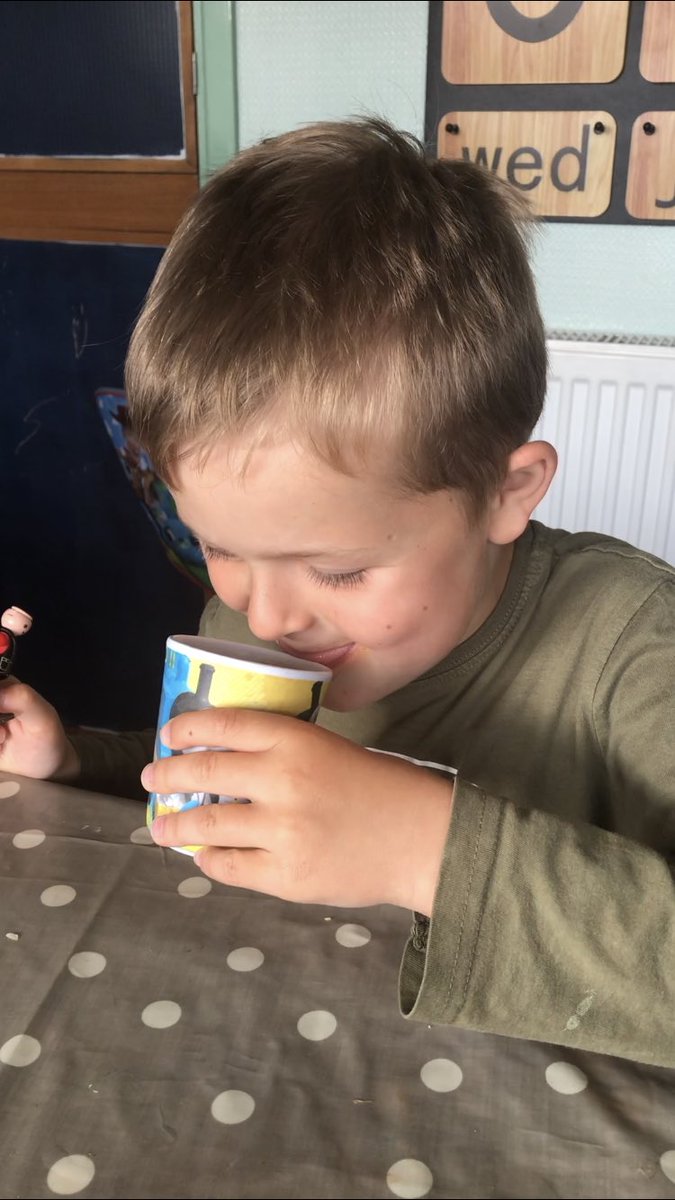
(564, 931)
(112, 762)
(548, 930)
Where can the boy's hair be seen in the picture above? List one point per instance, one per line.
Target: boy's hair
(338, 285)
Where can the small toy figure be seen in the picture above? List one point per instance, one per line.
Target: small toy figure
(13, 623)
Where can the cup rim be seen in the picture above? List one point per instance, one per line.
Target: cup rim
(253, 658)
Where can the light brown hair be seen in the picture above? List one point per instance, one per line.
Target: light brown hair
(340, 284)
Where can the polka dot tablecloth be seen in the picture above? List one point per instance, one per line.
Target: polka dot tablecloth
(163, 1036)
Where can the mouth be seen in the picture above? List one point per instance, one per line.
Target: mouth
(333, 657)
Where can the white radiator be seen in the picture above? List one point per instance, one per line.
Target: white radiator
(610, 413)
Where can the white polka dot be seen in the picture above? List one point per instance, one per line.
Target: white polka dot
(9, 787)
(409, 1178)
(352, 935)
(58, 895)
(317, 1025)
(161, 1014)
(246, 958)
(20, 1051)
(194, 887)
(86, 964)
(141, 836)
(70, 1174)
(28, 838)
(667, 1164)
(563, 1077)
(231, 1108)
(441, 1075)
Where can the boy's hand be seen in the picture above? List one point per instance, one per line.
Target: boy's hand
(329, 823)
(34, 742)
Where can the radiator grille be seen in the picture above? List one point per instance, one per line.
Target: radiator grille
(610, 413)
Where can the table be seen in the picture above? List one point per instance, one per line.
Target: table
(162, 1037)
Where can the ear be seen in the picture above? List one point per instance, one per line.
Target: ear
(528, 477)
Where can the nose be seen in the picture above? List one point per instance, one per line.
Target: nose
(275, 609)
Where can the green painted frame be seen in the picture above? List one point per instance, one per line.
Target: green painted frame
(215, 49)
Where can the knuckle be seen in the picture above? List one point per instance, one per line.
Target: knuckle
(211, 763)
(292, 774)
(22, 694)
(228, 866)
(289, 839)
(301, 871)
(208, 816)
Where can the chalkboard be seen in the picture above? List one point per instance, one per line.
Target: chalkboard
(78, 550)
(90, 78)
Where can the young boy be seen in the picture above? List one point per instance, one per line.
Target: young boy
(337, 371)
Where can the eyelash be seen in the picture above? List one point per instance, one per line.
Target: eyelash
(348, 579)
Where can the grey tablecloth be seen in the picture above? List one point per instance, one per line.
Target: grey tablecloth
(157, 1039)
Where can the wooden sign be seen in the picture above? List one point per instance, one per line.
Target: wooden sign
(563, 160)
(533, 42)
(572, 101)
(651, 175)
(657, 52)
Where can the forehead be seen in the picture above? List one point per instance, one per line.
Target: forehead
(285, 497)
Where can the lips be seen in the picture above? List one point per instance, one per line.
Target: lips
(326, 658)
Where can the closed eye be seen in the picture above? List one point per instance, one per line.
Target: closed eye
(345, 579)
(210, 553)
(348, 579)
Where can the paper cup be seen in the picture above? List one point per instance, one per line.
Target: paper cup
(207, 673)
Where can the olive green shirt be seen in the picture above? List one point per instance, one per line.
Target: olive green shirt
(554, 915)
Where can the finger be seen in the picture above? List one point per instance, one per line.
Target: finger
(220, 772)
(18, 697)
(231, 728)
(251, 869)
(235, 825)
(7, 690)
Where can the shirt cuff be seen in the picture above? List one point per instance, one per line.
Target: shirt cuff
(436, 967)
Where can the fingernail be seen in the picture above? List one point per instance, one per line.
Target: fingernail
(165, 734)
(147, 777)
(157, 829)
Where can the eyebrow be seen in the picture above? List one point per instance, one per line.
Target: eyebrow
(319, 552)
(323, 552)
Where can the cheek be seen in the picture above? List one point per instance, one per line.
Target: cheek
(417, 610)
(385, 618)
(230, 583)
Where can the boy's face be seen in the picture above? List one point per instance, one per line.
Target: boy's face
(345, 571)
